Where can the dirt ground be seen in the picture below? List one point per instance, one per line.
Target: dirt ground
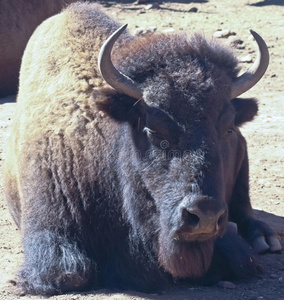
(264, 135)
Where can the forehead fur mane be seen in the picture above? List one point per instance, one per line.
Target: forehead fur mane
(179, 73)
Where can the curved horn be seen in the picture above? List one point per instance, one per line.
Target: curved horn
(120, 82)
(247, 80)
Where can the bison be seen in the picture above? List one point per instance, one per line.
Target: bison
(18, 20)
(123, 171)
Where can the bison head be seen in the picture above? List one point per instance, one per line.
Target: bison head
(184, 115)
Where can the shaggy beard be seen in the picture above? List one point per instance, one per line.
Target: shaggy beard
(185, 259)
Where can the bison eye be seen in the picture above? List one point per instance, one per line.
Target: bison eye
(154, 138)
(149, 131)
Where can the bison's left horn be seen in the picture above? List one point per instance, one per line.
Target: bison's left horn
(246, 81)
(120, 82)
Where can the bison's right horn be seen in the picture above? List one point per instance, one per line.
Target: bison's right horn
(120, 82)
(257, 70)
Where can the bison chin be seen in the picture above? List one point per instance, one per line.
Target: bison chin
(185, 259)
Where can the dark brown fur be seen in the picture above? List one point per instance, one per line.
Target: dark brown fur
(98, 183)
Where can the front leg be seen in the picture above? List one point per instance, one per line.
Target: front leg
(53, 264)
(257, 233)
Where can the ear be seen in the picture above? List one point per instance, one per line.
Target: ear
(246, 110)
(119, 107)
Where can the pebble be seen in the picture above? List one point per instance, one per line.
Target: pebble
(12, 282)
(226, 285)
(246, 59)
(236, 42)
(144, 30)
(168, 30)
(193, 9)
(152, 6)
(223, 33)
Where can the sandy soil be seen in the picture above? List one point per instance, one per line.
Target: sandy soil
(265, 137)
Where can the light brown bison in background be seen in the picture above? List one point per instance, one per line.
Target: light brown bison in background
(18, 20)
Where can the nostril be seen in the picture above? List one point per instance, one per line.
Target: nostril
(189, 218)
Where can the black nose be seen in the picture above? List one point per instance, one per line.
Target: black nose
(206, 217)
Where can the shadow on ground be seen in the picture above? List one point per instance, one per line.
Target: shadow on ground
(8, 99)
(268, 2)
(275, 222)
(152, 1)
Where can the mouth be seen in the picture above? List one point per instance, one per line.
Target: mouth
(200, 237)
(187, 234)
